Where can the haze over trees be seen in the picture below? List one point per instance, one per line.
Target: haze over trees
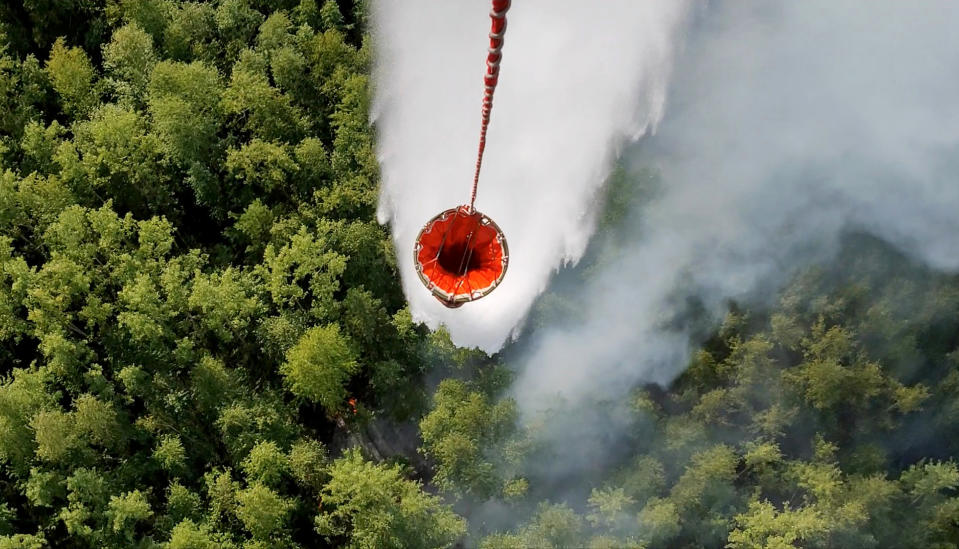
(202, 332)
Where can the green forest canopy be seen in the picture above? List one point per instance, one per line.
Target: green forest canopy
(201, 323)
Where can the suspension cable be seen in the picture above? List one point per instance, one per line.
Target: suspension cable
(498, 30)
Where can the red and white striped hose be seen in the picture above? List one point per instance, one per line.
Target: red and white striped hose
(498, 30)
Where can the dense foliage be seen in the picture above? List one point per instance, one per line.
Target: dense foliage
(197, 302)
(203, 342)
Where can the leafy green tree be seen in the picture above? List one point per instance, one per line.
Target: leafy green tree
(114, 154)
(370, 505)
(265, 111)
(463, 433)
(182, 503)
(308, 461)
(129, 60)
(659, 521)
(552, 526)
(237, 22)
(23, 541)
(184, 105)
(22, 397)
(170, 453)
(330, 16)
(225, 303)
(23, 89)
(259, 164)
(73, 77)
(126, 510)
(609, 507)
(304, 274)
(319, 365)
(762, 526)
(274, 32)
(262, 511)
(150, 15)
(189, 535)
(39, 145)
(266, 464)
(44, 488)
(55, 435)
(190, 34)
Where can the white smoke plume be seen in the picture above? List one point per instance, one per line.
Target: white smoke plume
(787, 124)
(577, 80)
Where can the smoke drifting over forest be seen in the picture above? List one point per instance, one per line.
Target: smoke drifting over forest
(785, 126)
(576, 82)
